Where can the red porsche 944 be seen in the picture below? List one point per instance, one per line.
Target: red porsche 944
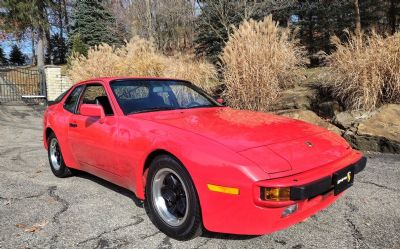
(196, 163)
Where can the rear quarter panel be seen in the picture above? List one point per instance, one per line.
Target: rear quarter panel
(56, 119)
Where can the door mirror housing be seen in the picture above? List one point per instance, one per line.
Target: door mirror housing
(92, 110)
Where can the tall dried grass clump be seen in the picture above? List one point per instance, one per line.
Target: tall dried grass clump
(364, 72)
(139, 57)
(259, 59)
(198, 71)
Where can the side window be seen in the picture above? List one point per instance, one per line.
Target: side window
(61, 96)
(72, 100)
(96, 94)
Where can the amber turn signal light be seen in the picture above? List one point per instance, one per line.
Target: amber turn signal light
(222, 189)
(275, 194)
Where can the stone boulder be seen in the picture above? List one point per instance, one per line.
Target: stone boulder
(310, 117)
(295, 98)
(327, 109)
(346, 120)
(384, 123)
(319, 59)
(381, 131)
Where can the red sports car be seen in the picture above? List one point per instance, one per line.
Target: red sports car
(195, 163)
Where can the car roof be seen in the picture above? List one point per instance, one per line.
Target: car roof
(108, 79)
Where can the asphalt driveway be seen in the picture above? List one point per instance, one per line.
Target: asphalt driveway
(38, 210)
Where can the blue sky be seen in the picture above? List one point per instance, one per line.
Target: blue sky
(25, 46)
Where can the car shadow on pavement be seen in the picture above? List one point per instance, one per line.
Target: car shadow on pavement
(226, 236)
(139, 203)
(111, 186)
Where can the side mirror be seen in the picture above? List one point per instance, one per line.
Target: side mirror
(220, 100)
(92, 110)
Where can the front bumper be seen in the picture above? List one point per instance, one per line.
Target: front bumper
(321, 186)
(248, 214)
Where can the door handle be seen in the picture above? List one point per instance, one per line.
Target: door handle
(73, 125)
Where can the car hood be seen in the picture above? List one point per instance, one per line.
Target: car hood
(275, 143)
(236, 129)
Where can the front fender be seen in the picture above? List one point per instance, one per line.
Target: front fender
(207, 162)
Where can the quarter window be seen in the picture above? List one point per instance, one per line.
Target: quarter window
(73, 98)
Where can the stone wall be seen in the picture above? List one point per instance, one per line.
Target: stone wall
(56, 83)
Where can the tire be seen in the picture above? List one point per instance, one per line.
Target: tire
(171, 200)
(56, 160)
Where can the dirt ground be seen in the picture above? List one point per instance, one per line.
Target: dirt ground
(38, 210)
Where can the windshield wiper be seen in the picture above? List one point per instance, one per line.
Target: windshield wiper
(153, 109)
(199, 106)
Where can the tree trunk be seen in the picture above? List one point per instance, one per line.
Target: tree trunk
(40, 48)
(392, 17)
(33, 47)
(357, 18)
(41, 36)
(149, 23)
(66, 16)
(311, 33)
(60, 41)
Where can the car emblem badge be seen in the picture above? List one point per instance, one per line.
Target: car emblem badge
(349, 176)
(309, 144)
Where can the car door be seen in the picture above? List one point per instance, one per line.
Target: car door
(93, 138)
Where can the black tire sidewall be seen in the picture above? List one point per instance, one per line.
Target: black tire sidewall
(192, 225)
(64, 170)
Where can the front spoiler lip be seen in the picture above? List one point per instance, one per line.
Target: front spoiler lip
(321, 186)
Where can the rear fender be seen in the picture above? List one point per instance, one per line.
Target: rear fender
(57, 123)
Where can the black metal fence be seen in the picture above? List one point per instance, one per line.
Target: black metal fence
(21, 83)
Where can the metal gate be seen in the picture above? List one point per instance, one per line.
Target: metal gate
(20, 83)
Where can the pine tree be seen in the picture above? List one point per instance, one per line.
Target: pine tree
(381, 15)
(3, 59)
(93, 25)
(17, 58)
(56, 48)
(319, 20)
(214, 26)
(217, 17)
(78, 46)
(27, 15)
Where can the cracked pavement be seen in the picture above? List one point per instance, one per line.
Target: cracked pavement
(38, 210)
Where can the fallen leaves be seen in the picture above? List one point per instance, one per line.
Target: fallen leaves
(32, 229)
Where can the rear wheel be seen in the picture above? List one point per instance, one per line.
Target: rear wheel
(171, 199)
(56, 159)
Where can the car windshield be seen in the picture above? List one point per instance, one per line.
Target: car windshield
(135, 96)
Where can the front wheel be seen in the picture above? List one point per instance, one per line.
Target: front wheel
(171, 199)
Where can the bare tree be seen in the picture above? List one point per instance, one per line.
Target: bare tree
(170, 23)
(394, 11)
(357, 18)
(122, 13)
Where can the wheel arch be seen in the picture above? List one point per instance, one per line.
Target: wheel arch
(47, 134)
(146, 165)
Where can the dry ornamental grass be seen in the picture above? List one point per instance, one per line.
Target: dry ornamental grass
(260, 59)
(365, 72)
(140, 58)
